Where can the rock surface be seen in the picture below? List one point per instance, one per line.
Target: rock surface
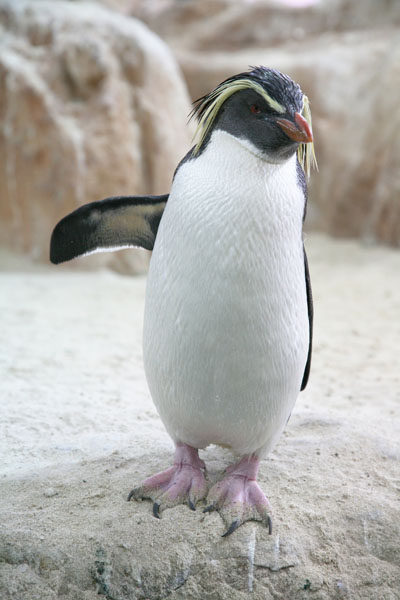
(79, 430)
(92, 105)
(226, 25)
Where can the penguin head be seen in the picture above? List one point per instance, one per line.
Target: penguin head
(265, 110)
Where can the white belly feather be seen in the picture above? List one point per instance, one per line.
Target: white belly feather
(226, 325)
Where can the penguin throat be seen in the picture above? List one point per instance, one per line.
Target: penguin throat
(252, 149)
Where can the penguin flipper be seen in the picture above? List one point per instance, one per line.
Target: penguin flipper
(106, 225)
(310, 321)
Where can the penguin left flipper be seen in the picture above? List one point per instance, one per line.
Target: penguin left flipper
(106, 225)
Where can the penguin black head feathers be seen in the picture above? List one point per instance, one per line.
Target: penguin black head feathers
(265, 109)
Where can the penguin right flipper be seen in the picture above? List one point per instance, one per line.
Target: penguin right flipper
(310, 322)
(106, 225)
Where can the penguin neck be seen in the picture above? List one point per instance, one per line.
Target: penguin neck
(249, 147)
(230, 167)
(228, 179)
(226, 151)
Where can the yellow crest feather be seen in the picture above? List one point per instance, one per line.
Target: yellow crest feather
(306, 152)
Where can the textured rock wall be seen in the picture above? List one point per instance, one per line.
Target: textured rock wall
(92, 104)
(226, 25)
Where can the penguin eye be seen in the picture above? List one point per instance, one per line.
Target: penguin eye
(255, 109)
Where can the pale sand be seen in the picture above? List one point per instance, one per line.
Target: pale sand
(79, 430)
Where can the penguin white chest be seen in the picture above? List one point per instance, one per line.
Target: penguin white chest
(226, 324)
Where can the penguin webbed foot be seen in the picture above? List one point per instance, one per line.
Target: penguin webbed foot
(238, 498)
(236, 507)
(183, 483)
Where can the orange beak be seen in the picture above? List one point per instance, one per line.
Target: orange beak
(299, 130)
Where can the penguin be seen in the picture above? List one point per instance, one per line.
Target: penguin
(228, 321)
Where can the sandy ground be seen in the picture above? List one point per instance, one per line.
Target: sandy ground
(79, 430)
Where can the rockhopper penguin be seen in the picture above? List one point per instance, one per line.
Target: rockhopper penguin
(228, 317)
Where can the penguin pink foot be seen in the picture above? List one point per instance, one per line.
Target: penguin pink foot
(238, 497)
(183, 482)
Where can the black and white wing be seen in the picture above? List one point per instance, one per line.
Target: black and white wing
(106, 225)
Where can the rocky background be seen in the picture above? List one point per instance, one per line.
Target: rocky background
(93, 103)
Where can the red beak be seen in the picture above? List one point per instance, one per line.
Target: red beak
(299, 130)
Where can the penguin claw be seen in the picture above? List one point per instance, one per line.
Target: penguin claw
(156, 510)
(269, 524)
(191, 504)
(210, 507)
(232, 527)
(133, 494)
